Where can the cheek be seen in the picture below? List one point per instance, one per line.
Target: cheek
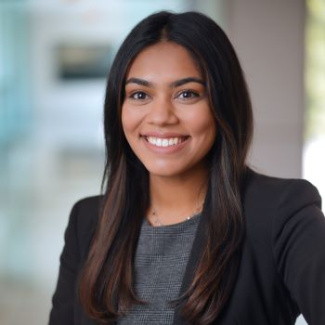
(128, 120)
(204, 126)
(124, 122)
(131, 118)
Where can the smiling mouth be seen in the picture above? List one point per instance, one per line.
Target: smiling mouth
(165, 142)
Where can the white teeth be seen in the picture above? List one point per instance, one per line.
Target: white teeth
(163, 142)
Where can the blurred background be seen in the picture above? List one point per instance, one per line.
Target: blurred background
(54, 58)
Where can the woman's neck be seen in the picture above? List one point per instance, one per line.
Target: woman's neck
(173, 200)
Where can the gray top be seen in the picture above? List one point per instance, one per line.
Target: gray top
(160, 262)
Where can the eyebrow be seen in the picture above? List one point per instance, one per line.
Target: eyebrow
(174, 84)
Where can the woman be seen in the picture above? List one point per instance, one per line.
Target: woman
(185, 232)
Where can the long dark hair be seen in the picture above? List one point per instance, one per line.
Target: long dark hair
(106, 283)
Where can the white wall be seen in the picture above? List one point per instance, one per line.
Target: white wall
(269, 39)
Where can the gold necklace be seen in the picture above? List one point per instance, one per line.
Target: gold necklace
(158, 223)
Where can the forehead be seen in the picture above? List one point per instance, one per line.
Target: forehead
(164, 60)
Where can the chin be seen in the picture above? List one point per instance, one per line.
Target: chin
(172, 171)
(163, 171)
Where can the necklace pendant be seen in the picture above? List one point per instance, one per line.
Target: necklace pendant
(157, 222)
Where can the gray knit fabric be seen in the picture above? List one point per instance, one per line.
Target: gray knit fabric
(161, 258)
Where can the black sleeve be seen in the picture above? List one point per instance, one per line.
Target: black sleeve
(299, 249)
(63, 298)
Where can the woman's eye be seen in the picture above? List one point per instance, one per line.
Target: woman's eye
(139, 95)
(188, 94)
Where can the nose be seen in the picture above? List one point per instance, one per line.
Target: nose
(162, 112)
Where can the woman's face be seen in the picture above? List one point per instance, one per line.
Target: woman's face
(166, 116)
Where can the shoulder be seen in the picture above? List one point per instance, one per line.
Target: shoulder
(88, 206)
(271, 204)
(261, 191)
(282, 215)
(284, 244)
(86, 211)
(83, 221)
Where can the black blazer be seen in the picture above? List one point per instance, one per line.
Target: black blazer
(282, 269)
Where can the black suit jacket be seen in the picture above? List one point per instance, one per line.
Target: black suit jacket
(282, 269)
